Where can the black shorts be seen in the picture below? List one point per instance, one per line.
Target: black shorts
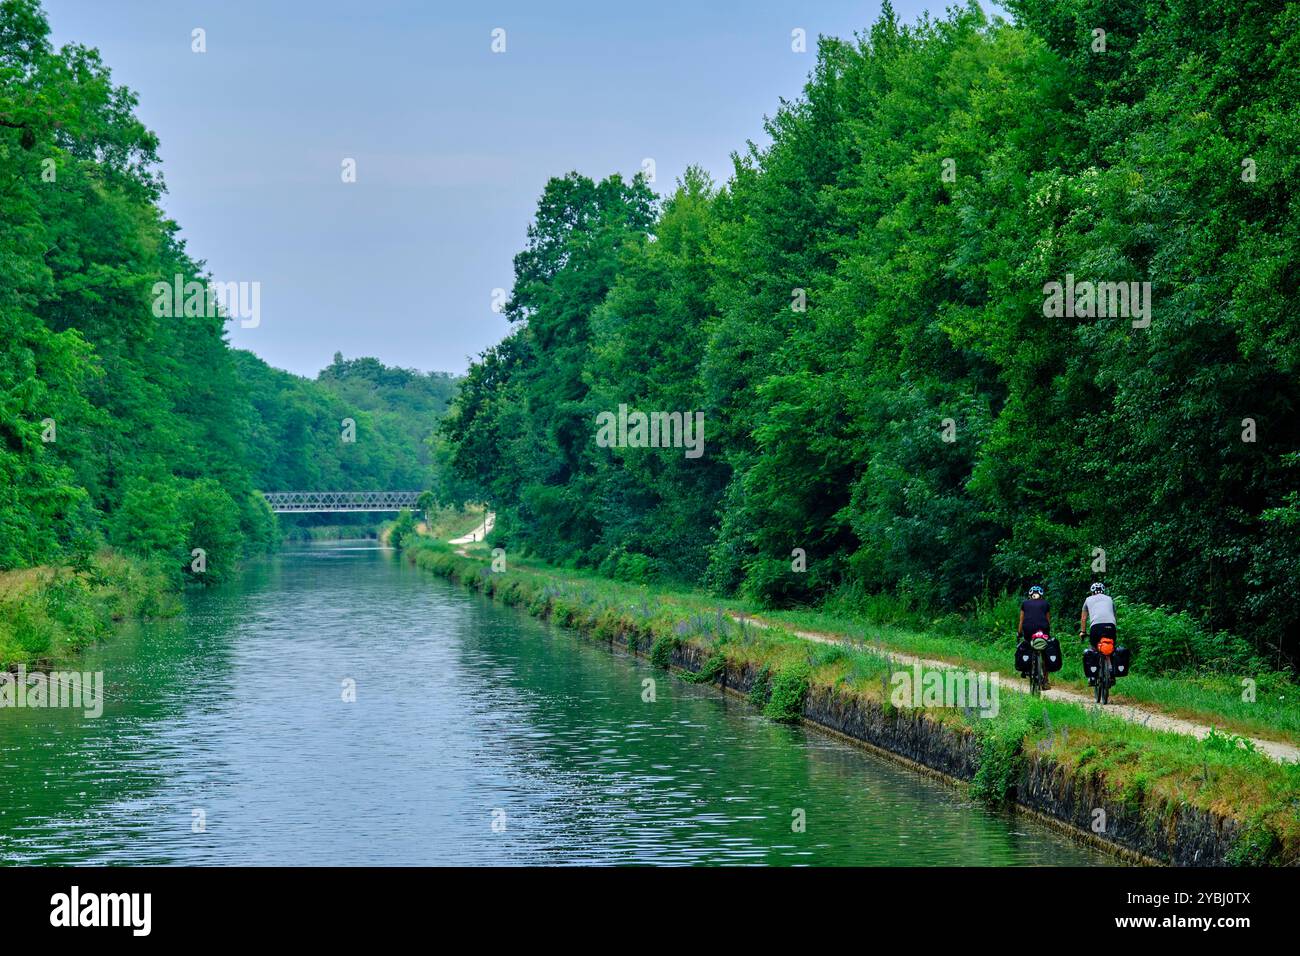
(1099, 631)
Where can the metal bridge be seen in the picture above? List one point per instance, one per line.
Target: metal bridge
(320, 501)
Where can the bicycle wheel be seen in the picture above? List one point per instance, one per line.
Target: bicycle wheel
(1036, 676)
(1098, 690)
(1103, 682)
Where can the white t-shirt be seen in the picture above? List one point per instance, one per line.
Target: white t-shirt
(1100, 608)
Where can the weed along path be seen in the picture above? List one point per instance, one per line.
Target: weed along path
(1155, 720)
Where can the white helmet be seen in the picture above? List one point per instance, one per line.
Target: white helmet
(1097, 588)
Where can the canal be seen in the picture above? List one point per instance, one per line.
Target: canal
(335, 706)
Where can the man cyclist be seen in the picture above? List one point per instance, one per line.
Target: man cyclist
(1035, 616)
(1099, 610)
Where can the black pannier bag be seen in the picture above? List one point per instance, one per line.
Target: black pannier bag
(1052, 656)
(1120, 660)
(1023, 650)
(1091, 662)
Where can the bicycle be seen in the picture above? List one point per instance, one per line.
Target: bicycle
(1104, 680)
(1105, 673)
(1037, 675)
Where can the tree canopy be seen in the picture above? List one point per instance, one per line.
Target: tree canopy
(117, 422)
(860, 312)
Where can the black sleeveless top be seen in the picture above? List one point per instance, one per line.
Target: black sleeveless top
(1035, 615)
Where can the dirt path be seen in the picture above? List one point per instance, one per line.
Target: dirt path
(1281, 752)
(478, 534)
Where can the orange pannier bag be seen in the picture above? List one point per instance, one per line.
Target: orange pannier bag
(1106, 645)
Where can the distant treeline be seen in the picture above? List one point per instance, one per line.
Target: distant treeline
(358, 426)
(891, 385)
(119, 424)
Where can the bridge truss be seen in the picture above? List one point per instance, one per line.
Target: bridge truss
(306, 502)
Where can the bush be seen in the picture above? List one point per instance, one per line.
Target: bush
(403, 530)
(211, 520)
(661, 652)
(712, 669)
(69, 606)
(25, 632)
(170, 517)
(259, 525)
(995, 618)
(148, 520)
(1001, 757)
(825, 654)
(1257, 845)
(770, 582)
(630, 566)
(1175, 641)
(789, 687)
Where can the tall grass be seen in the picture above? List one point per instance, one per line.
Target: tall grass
(57, 612)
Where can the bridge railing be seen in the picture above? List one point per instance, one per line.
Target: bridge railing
(318, 501)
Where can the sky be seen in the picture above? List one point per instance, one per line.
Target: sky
(452, 142)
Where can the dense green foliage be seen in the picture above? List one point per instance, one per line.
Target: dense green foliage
(860, 313)
(124, 426)
(296, 433)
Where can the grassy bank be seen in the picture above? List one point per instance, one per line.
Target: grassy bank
(452, 522)
(49, 614)
(1215, 697)
(1152, 775)
(1271, 710)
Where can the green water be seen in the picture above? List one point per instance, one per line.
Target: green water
(478, 735)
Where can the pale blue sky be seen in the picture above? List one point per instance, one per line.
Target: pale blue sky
(453, 143)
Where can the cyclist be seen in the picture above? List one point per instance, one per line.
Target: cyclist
(1099, 612)
(1035, 616)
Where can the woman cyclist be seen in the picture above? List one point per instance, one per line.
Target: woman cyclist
(1035, 616)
